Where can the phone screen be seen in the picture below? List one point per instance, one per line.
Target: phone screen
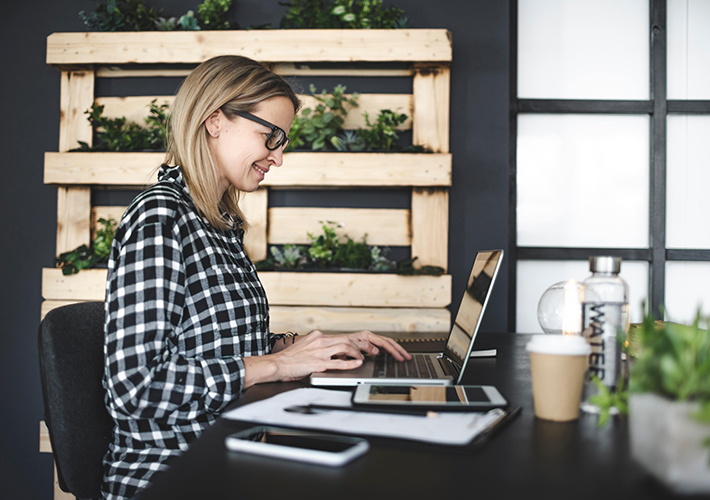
(300, 440)
(427, 395)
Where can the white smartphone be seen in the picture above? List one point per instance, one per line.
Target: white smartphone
(293, 444)
(433, 398)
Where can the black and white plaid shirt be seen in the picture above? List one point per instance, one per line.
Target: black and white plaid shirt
(184, 305)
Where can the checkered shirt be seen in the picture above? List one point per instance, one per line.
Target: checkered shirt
(184, 305)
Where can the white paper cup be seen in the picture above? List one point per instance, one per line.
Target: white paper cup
(558, 364)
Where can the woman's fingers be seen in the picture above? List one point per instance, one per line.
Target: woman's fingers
(367, 340)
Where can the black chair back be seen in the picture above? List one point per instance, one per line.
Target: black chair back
(71, 360)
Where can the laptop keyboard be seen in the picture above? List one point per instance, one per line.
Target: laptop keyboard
(420, 366)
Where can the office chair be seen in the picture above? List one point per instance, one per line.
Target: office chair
(71, 361)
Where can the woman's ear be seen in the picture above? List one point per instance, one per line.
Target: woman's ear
(213, 123)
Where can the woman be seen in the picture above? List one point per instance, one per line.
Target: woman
(187, 321)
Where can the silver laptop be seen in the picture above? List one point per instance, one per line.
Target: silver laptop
(431, 368)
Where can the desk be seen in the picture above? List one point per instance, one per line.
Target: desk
(530, 457)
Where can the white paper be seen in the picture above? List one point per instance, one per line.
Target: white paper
(444, 428)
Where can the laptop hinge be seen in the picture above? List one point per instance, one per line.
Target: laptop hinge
(448, 366)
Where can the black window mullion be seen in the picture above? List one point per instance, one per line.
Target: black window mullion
(657, 220)
(512, 169)
(580, 106)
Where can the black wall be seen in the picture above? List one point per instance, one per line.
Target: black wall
(29, 126)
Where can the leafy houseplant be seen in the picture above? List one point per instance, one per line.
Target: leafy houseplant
(116, 134)
(133, 15)
(314, 128)
(669, 403)
(84, 257)
(342, 14)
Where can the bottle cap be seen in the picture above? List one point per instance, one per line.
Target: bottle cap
(605, 264)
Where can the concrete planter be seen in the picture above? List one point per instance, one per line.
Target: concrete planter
(668, 442)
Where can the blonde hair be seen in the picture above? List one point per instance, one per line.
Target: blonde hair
(229, 83)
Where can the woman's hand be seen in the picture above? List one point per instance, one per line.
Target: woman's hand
(317, 352)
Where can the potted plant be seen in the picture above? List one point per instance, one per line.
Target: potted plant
(669, 402)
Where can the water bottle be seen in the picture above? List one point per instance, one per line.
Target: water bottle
(605, 313)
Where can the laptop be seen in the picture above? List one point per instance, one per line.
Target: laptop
(431, 368)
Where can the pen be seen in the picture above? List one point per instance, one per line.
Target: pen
(312, 409)
(496, 425)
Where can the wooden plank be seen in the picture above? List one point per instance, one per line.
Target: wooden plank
(45, 445)
(363, 169)
(73, 217)
(113, 169)
(358, 290)
(135, 108)
(264, 45)
(430, 226)
(301, 289)
(76, 96)
(89, 284)
(380, 226)
(350, 319)
(48, 305)
(299, 169)
(431, 87)
(254, 206)
(285, 69)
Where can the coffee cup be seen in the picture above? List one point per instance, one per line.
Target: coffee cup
(558, 364)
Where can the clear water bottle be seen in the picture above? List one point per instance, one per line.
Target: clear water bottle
(605, 313)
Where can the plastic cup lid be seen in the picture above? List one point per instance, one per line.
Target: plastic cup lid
(568, 345)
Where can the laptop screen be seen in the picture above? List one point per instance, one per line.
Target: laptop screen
(473, 303)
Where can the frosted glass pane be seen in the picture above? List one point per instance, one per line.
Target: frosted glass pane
(569, 49)
(535, 276)
(686, 290)
(688, 182)
(688, 49)
(582, 180)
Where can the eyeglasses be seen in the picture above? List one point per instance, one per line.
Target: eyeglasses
(276, 138)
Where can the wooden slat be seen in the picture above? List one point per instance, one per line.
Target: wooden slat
(264, 45)
(302, 289)
(349, 319)
(431, 89)
(362, 169)
(73, 217)
(89, 284)
(381, 226)
(430, 226)
(45, 445)
(135, 108)
(76, 96)
(358, 290)
(113, 169)
(299, 169)
(254, 205)
(286, 69)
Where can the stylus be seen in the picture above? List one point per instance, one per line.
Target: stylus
(312, 409)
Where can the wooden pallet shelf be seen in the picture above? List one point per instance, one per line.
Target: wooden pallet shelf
(411, 45)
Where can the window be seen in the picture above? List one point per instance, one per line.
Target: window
(604, 160)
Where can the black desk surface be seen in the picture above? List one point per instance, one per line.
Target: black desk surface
(529, 458)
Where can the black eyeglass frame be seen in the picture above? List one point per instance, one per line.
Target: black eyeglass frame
(283, 142)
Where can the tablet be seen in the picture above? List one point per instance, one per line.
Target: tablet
(434, 398)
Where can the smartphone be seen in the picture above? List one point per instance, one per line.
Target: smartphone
(434, 398)
(304, 446)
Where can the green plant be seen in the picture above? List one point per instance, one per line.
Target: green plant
(315, 128)
(608, 400)
(84, 257)
(349, 140)
(382, 133)
(340, 14)
(212, 14)
(133, 15)
(117, 134)
(406, 268)
(121, 15)
(290, 257)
